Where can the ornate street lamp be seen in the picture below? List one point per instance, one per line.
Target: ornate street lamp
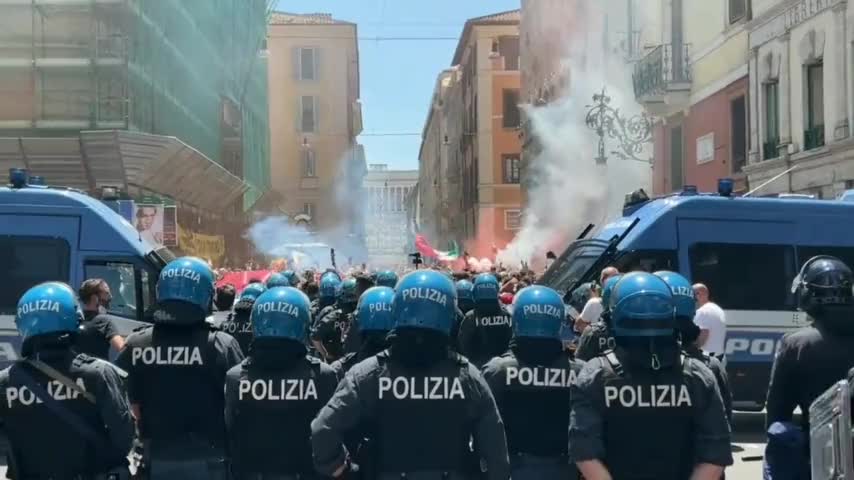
(631, 133)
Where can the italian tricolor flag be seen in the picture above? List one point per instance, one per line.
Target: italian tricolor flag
(427, 250)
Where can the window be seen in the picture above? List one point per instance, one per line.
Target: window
(512, 116)
(772, 121)
(738, 121)
(814, 133)
(122, 281)
(308, 209)
(308, 63)
(511, 168)
(308, 114)
(512, 219)
(508, 47)
(745, 277)
(738, 10)
(308, 165)
(647, 261)
(28, 261)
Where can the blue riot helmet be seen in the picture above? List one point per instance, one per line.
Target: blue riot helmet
(47, 308)
(683, 294)
(642, 307)
(277, 280)
(386, 278)
(607, 289)
(374, 310)
(538, 312)
(281, 312)
(425, 299)
(347, 292)
(252, 291)
(823, 281)
(293, 278)
(329, 284)
(465, 294)
(486, 288)
(187, 279)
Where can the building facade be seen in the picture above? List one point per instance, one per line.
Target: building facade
(487, 152)
(387, 192)
(801, 97)
(315, 116)
(694, 80)
(155, 98)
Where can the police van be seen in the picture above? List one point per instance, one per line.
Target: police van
(746, 250)
(50, 234)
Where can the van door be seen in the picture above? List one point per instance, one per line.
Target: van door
(749, 267)
(29, 256)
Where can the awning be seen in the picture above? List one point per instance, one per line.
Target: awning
(157, 163)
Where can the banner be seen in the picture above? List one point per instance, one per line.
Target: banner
(206, 247)
(241, 279)
(148, 220)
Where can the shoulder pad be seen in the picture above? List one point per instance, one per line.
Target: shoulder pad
(313, 360)
(143, 328)
(83, 359)
(459, 359)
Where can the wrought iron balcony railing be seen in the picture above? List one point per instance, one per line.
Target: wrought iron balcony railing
(662, 67)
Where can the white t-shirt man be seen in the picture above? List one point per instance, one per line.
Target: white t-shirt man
(592, 310)
(712, 318)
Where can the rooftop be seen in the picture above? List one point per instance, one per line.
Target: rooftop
(510, 17)
(285, 18)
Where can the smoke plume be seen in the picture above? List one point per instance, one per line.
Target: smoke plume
(569, 189)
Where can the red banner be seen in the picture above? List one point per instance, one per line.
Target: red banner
(241, 279)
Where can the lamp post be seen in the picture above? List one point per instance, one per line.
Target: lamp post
(631, 133)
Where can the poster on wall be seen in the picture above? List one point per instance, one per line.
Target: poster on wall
(170, 225)
(148, 220)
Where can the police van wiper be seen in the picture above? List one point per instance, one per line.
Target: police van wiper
(601, 262)
(549, 274)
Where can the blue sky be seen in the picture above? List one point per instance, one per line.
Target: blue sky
(397, 77)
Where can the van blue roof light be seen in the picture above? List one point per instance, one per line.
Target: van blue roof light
(725, 186)
(18, 177)
(689, 190)
(36, 180)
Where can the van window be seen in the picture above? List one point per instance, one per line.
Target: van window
(745, 277)
(846, 254)
(647, 261)
(28, 261)
(120, 277)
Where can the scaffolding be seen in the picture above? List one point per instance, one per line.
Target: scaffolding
(192, 69)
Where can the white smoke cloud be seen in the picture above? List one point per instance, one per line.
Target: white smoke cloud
(570, 189)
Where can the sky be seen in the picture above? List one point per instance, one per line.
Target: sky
(398, 76)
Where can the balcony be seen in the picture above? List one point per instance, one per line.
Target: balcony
(662, 78)
(814, 137)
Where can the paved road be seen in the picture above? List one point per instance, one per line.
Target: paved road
(748, 447)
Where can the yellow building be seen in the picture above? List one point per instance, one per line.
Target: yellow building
(315, 116)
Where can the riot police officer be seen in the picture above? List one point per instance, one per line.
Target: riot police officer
(813, 358)
(465, 296)
(597, 338)
(176, 372)
(272, 396)
(277, 280)
(420, 401)
(66, 415)
(372, 323)
(531, 386)
(238, 324)
(688, 332)
(486, 331)
(647, 385)
(330, 331)
(330, 282)
(386, 278)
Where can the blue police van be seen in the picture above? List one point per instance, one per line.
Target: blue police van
(63, 234)
(746, 250)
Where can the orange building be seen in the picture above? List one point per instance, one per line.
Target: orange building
(489, 146)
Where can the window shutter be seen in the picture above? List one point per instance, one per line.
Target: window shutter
(296, 62)
(299, 115)
(316, 102)
(316, 64)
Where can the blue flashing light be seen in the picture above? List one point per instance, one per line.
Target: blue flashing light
(18, 177)
(725, 186)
